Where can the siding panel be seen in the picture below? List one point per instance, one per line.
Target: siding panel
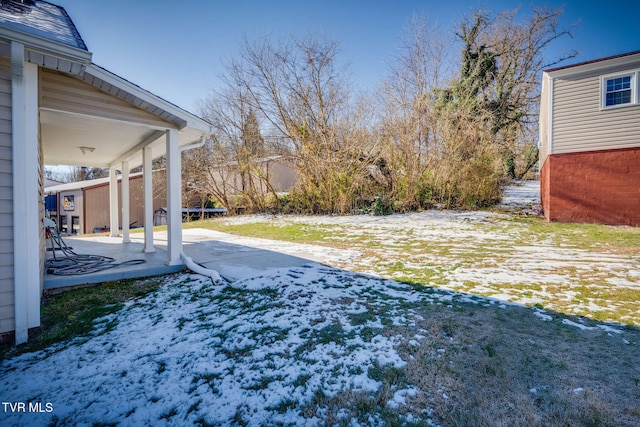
(6, 200)
(580, 125)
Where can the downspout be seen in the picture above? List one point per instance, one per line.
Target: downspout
(198, 269)
(191, 265)
(550, 119)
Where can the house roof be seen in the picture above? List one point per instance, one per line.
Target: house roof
(51, 40)
(41, 19)
(596, 63)
(121, 140)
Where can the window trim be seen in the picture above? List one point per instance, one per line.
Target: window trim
(635, 95)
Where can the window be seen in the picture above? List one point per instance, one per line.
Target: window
(64, 227)
(619, 90)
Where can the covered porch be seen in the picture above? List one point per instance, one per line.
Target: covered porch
(98, 119)
(59, 108)
(120, 269)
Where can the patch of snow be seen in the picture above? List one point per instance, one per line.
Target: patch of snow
(196, 352)
(578, 325)
(521, 194)
(541, 314)
(400, 397)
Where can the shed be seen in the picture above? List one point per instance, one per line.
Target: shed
(82, 207)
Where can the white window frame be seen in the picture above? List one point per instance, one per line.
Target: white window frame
(635, 96)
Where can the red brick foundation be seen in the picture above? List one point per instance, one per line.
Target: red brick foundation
(597, 187)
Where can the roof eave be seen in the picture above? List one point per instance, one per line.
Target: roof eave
(181, 118)
(49, 54)
(597, 64)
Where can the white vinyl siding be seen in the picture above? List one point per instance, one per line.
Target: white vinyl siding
(6, 201)
(579, 123)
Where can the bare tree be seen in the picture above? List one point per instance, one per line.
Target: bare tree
(502, 59)
(411, 144)
(76, 173)
(237, 150)
(298, 87)
(194, 185)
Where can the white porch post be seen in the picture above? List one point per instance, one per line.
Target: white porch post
(174, 198)
(147, 183)
(113, 201)
(26, 207)
(125, 202)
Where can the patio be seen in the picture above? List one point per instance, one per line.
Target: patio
(233, 257)
(104, 245)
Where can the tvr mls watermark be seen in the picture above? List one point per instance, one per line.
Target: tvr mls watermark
(27, 407)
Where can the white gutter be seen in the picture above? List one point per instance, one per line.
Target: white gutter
(193, 145)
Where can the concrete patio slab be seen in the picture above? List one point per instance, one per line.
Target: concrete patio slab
(233, 257)
(111, 247)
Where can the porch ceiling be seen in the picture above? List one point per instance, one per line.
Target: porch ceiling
(99, 119)
(63, 134)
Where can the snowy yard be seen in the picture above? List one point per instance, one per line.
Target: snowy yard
(341, 345)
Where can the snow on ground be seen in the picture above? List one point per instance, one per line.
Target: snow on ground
(521, 194)
(198, 353)
(195, 353)
(476, 253)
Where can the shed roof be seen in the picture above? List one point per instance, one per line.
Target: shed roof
(41, 19)
(86, 184)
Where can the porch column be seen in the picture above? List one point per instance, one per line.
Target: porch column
(27, 224)
(174, 198)
(125, 202)
(147, 183)
(113, 201)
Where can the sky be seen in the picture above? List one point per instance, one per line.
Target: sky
(177, 49)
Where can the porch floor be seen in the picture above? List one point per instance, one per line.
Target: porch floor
(112, 247)
(233, 257)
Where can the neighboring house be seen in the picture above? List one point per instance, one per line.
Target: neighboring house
(281, 175)
(590, 141)
(83, 207)
(57, 107)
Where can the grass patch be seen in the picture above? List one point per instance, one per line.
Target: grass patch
(493, 255)
(72, 314)
(617, 239)
(299, 233)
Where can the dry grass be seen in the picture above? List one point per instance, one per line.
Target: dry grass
(498, 368)
(480, 365)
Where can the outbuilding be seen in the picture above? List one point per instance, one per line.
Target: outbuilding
(82, 207)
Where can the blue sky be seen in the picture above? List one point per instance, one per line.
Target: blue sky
(175, 48)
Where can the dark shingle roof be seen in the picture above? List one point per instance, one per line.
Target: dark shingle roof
(41, 19)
